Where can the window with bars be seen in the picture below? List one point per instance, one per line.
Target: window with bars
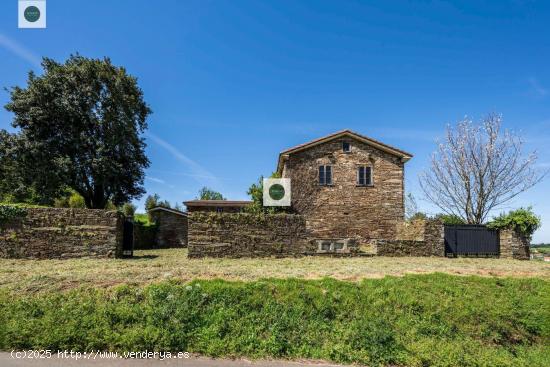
(364, 176)
(325, 175)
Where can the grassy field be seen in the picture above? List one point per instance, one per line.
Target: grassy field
(157, 265)
(544, 249)
(415, 320)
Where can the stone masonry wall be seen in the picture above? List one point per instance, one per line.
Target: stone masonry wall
(46, 233)
(344, 209)
(411, 230)
(248, 235)
(418, 238)
(514, 245)
(434, 236)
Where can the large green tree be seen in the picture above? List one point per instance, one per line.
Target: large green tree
(12, 186)
(206, 193)
(80, 126)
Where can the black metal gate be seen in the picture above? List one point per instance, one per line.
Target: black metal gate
(471, 240)
(128, 239)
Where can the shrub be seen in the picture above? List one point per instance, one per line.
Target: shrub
(128, 209)
(10, 212)
(450, 219)
(522, 220)
(418, 216)
(72, 200)
(142, 219)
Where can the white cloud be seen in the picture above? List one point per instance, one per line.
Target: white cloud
(198, 172)
(538, 89)
(154, 179)
(19, 50)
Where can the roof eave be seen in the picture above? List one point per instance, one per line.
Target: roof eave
(380, 146)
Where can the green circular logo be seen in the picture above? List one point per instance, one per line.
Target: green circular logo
(32, 14)
(276, 192)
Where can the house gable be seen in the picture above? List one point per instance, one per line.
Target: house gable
(348, 134)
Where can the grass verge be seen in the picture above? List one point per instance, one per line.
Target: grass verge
(415, 320)
(153, 266)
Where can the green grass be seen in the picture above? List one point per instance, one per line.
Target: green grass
(142, 219)
(415, 320)
(543, 249)
(153, 266)
(23, 205)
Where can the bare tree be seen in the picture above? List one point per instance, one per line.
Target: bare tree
(411, 207)
(477, 168)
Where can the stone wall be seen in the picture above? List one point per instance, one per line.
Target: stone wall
(248, 235)
(434, 236)
(171, 228)
(411, 230)
(513, 245)
(417, 238)
(46, 233)
(344, 209)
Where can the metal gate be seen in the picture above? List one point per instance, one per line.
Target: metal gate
(128, 239)
(471, 240)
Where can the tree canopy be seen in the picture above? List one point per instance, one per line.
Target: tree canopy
(256, 193)
(80, 126)
(208, 194)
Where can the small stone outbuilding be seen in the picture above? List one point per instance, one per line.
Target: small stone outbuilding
(171, 227)
(219, 206)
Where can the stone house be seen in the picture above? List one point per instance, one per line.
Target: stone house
(347, 186)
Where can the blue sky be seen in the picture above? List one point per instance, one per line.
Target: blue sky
(232, 83)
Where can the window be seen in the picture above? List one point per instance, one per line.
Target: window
(364, 176)
(325, 175)
(346, 147)
(219, 210)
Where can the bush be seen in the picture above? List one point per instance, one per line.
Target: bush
(128, 209)
(521, 220)
(450, 219)
(76, 201)
(418, 216)
(10, 212)
(142, 219)
(420, 320)
(71, 200)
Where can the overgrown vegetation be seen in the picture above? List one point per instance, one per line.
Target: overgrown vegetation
(10, 212)
(523, 220)
(421, 320)
(142, 219)
(450, 219)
